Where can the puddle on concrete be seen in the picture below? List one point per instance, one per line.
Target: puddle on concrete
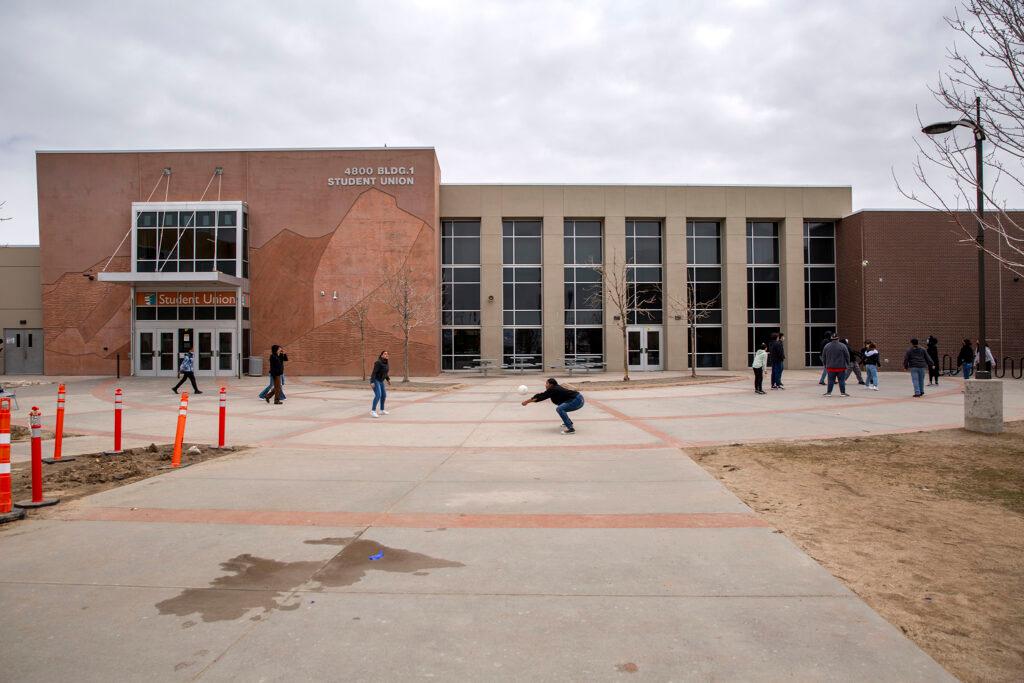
(260, 583)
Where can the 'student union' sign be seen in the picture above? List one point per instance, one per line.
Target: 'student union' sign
(185, 299)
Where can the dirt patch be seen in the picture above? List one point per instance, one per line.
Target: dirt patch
(20, 433)
(89, 474)
(647, 383)
(259, 583)
(396, 385)
(925, 527)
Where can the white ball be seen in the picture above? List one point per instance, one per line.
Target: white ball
(523, 388)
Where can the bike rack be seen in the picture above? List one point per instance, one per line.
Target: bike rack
(947, 365)
(1016, 368)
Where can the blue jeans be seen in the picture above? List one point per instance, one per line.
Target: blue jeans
(839, 376)
(777, 374)
(968, 367)
(872, 371)
(379, 393)
(270, 387)
(564, 409)
(824, 374)
(917, 377)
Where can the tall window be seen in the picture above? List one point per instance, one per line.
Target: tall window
(584, 337)
(460, 293)
(764, 313)
(521, 289)
(819, 286)
(196, 240)
(704, 286)
(643, 259)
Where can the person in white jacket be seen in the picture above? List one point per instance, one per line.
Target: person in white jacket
(989, 360)
(760, 360)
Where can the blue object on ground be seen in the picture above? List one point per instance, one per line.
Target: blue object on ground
(378, 556)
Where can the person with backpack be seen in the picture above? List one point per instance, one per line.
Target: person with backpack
(871, 357)
(187, 370)
(917, 361)
(277, 361)
(965, 359)
(566, 399)
(760, 360)
(777, 355)
(836, 358)
(932, 346)
(381, 373)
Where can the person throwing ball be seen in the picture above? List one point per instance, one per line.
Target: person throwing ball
(565, 398)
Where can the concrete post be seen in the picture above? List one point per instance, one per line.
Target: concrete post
(490, 285)
(983, 406)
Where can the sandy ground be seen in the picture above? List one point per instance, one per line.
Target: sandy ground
(88, 474)
(928, 528)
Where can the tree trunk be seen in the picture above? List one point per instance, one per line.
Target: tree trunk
(405, 374)
(625, 356)
(693, 350)
(362, 350)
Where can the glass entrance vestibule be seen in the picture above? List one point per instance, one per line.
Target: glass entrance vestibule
(159, 351)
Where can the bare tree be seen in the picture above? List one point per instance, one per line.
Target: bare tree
(695, 312)
(624, 297)
(413, 301)
(360, 313)
(4, 218)
(989, 65)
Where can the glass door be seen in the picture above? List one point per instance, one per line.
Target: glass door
(145, 352)
(204, 352)
(225, 353)
(167, 358)
(643, 348)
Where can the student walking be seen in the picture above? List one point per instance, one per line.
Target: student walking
(854, 366)
(760, 360)
(277, 360)
(965, 359)
(932, 346)
(380, 374)
(917, 361)
(187, 370)
(836, 358)
(270, 378)
(871, 357)
(777, 355)
(565, 398)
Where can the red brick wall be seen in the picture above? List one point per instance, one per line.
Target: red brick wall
(920, 280)
(306, 237)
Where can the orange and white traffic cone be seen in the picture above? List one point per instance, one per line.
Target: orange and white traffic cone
(222, 418)
(35, 419)
(8, 511)
(118, 407)
(58, 437)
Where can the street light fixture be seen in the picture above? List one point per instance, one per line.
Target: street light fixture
(979, 136)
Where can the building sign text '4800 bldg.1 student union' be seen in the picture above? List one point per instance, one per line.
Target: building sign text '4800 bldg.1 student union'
(374, 176)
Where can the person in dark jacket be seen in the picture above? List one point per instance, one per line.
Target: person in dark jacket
(565, 398)
(277, 360)
(187, 370)
(836, 358)
(821, 349)
(380, 374)
(777, 356)
(917, 361)
(965, 359)
(270, 378)
(932, 346)
(854, 366)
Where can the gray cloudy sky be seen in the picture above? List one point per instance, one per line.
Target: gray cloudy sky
(740, 91)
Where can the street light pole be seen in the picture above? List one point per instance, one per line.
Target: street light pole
(979, 136)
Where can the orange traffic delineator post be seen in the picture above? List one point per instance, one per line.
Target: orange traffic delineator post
(8, 511)
(35, 419)
(58, 437)
(179, 435)
(222, 424)
(118, 407)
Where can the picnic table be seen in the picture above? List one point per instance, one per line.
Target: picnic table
(483, 365)
(584, 363)
(522, 363)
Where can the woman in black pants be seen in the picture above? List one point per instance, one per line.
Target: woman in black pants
(933, 353)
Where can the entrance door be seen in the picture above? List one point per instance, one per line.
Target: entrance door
(23, 352)
(643, 346)
(224, 352)
(166, 357)
(145, 352)
(155, 353)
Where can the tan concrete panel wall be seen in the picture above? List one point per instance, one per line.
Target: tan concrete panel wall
(20, 287)
(734, 295)
(491, 343)
(674, 283)
(553, 288)
(614, 260)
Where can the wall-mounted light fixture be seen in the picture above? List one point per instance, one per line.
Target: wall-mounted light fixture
(335, 295)
(490, 298)
(616, 317)
(323, 293)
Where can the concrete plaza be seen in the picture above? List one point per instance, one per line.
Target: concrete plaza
(503, 549)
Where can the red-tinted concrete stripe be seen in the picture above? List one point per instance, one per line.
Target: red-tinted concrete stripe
(421, 520)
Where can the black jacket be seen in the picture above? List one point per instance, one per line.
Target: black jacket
(380, 371)
(558, 395)
(776, 352)
(917, 357)
(966, 355)
(854, 355)
(277, 362)
(933, 350)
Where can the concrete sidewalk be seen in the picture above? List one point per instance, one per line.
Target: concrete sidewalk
(506, 550)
